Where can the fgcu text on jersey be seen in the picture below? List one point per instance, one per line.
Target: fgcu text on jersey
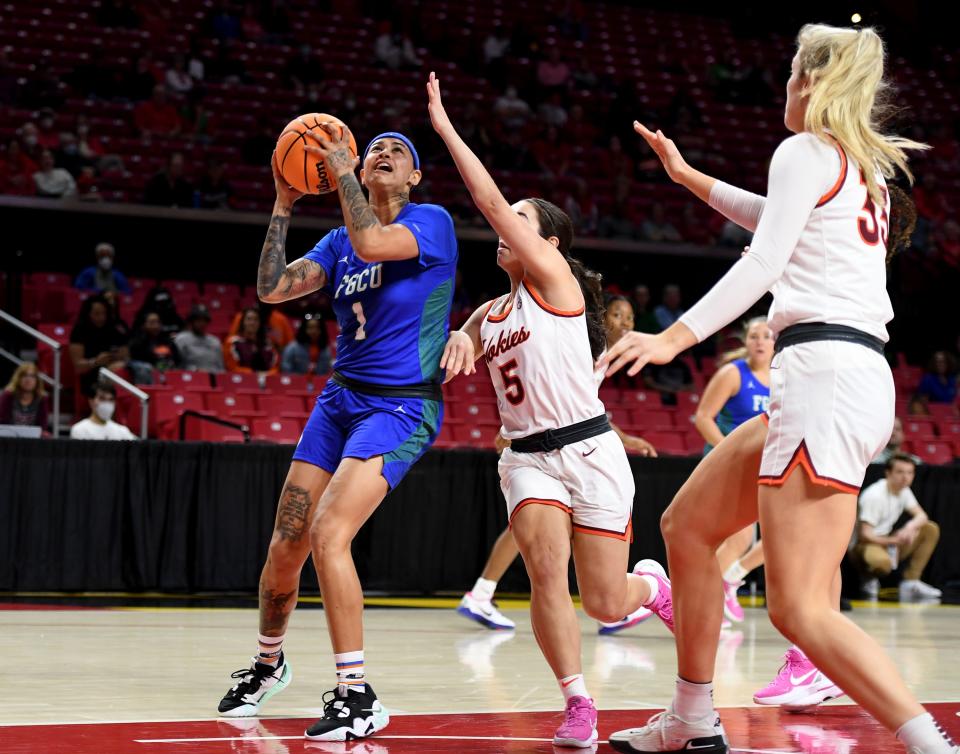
(393, 316)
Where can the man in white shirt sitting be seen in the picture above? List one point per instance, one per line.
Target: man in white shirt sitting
(100, 425)
(879, 547)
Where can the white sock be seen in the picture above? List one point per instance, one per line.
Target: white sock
(350, 672)
(924, 735)
(735, 573)
(269, 648)
(573, 685)
(483, 590)
(693, 701)
(654, 589)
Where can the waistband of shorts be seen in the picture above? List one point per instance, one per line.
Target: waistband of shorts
(430, 390)
(808, 332)
(554, 439)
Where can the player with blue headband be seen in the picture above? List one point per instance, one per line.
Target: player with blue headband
(389, 270)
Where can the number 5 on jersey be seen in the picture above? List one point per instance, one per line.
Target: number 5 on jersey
(514, 391)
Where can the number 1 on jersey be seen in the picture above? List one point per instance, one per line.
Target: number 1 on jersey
(514, 387)
(361, 320)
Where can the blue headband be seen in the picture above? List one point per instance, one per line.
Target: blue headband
(399, 137)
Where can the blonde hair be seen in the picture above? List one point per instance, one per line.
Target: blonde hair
(740, 353)
(848, 99)
(14, 385)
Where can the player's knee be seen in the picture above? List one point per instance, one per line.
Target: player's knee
(791, 617)
(287, 554)
(546, 567)
(327, 538)
(606, 608)
(671, 526)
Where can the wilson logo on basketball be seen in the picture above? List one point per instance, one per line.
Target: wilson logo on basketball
(506, 341)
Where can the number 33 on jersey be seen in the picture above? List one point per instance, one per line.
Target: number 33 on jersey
(394, 315)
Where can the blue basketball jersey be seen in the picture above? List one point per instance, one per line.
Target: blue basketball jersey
(752, 399)
(393, 316)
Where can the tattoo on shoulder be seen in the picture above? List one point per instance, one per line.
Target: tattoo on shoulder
(358, 212)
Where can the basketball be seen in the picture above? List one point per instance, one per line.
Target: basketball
(303, 171)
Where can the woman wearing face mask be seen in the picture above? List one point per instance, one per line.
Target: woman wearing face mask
(100, 425)
(23, 402)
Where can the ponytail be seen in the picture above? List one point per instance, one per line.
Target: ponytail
(555, 222)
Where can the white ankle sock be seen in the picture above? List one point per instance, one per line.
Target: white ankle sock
(693, 701)
(924, 735)
(573, 685)
(654, 589)
(483, 590)
(350, 672)
(269, 648)
(735, 573)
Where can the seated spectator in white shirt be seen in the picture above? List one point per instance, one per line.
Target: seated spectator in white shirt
(100, 425)
(199, 350)
(881, 506)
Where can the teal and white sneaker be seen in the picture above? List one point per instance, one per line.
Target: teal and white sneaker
(255, 686)
(349, 716)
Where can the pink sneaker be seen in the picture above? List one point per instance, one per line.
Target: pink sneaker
(663, 605)
(579, 727)
(798, 685)
(731, 605)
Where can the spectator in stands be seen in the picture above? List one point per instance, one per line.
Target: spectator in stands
(618, 319)
(496, 44)
(52, 182)
(29, 136)
(68, 155)
(552, 112)
(644, 319)
(169, 187)
(178, 78)
(619, 222)
(670, 310)
(100, 425)
(143, 80)
(895, 445)
(87, 188)
(199, 350)
(24, 401)
(657, 228)
(512, 112)
(250, 27)
(553, 73)
(97, 340)
(880, 547)
(251, 350)
(151, 349)
(160, 300)
(670, 379)
(16, 171)
(196, 66)
(157, 116)
(394, 50)
(102, 276)
(582, 76)
(309, 352)
(48, 137)
(939, 382)
(214, 190)
(278, 326)
(302, 69)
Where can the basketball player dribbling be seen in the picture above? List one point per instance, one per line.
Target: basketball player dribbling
(565, 476)
(389, 271)
(820, 242)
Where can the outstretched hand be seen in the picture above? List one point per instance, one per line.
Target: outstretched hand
(640, 349)
(332, 145)
(666, 150)
(438, 115)
(459, 356)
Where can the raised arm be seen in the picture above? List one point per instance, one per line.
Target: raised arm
(276, 280)
(742, 207)
(541, 260)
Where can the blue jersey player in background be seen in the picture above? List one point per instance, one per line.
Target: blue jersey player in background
(390, 272)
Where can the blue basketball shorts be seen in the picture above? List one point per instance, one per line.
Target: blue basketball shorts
(347, 424)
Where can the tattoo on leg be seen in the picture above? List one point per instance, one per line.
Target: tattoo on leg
(275, 609)
(292, 515)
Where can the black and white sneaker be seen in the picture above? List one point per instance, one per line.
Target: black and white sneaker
(669, 733)
(256, 685)
(346, 718)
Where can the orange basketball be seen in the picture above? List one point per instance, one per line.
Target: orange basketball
(302, 170)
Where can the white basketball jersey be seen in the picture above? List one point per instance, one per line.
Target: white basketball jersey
(837, 272)
(540, 363)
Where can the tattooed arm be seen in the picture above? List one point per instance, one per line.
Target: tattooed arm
(372, 240)
(276, 280)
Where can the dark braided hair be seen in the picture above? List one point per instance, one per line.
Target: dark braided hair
(903, 220)
(555, 222)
